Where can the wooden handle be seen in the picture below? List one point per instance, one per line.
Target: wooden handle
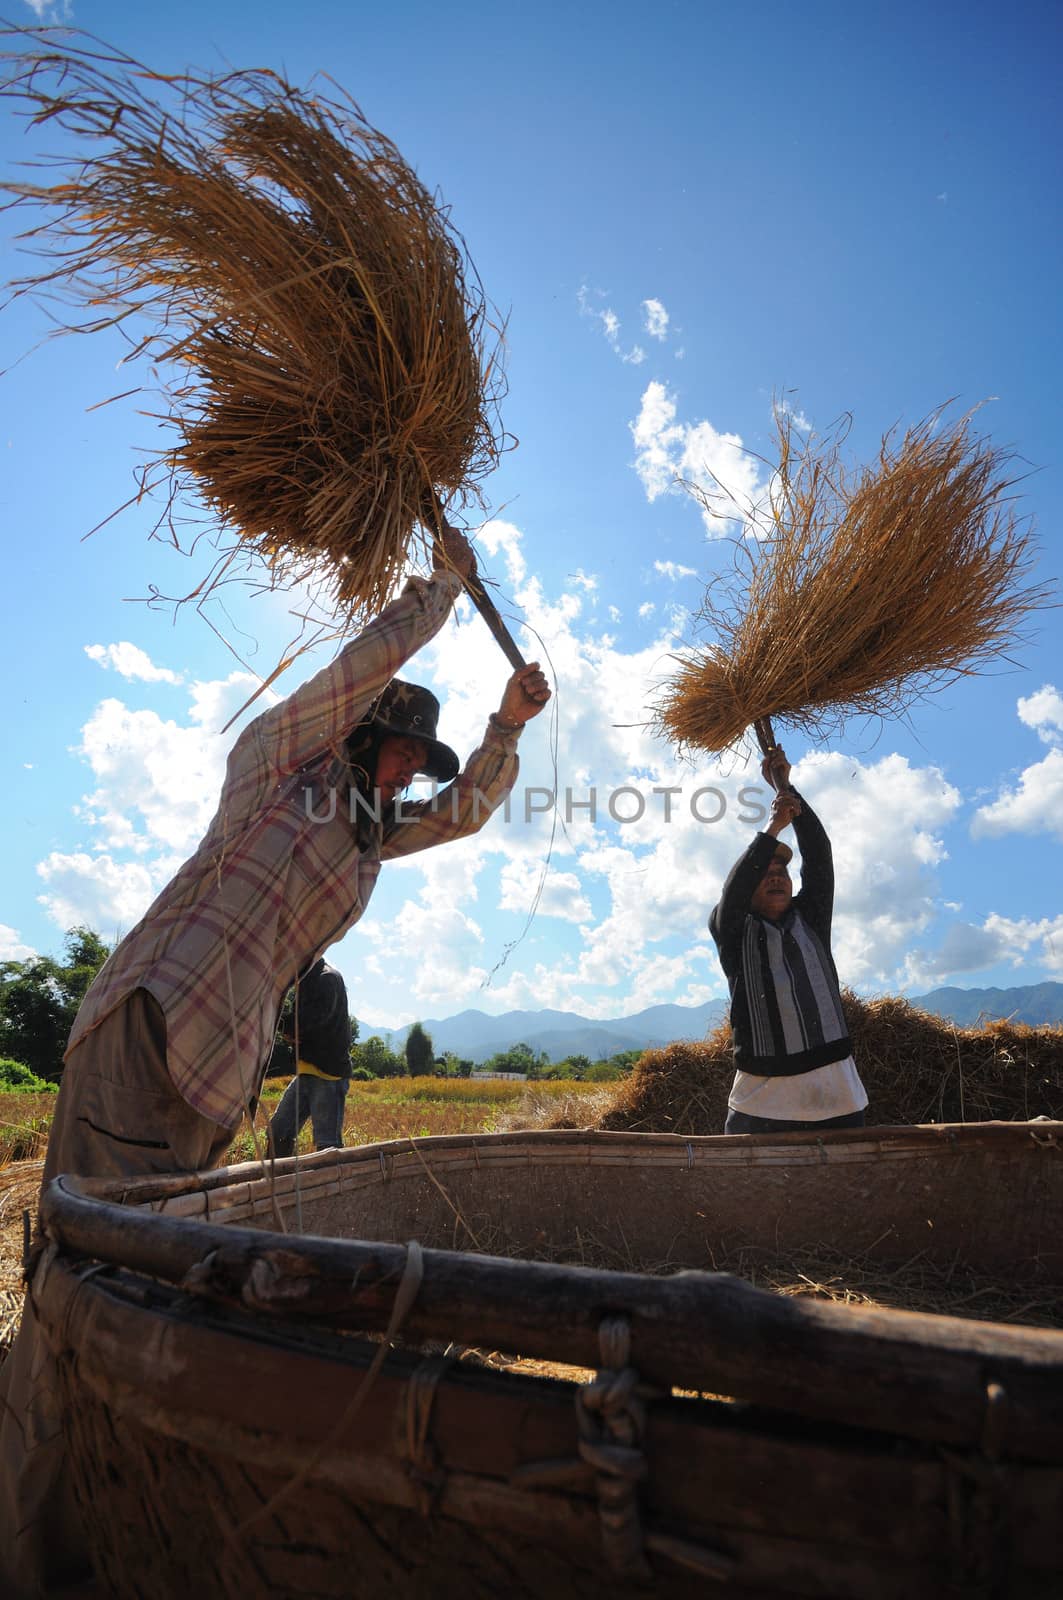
(434, 518)
(766, 739)
(486, 607)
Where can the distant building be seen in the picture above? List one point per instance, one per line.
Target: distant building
(520, 1077)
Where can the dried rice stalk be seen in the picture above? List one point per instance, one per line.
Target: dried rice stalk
(916, 1067)
(866, 591)
(326, 325)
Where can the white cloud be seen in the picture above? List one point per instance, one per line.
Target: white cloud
(1043, 712)
(647, 608)
(503, 538)
(886, 823)
(12, 947)
(583, 580)
(669, 453)
(131, 662)
(615, 614)
(998, 941)
(1034, 805)
(562, 894)
(51, 11)
(673, 570)
(656, 323)
(610, 325)
(157, 780)
(99, 891)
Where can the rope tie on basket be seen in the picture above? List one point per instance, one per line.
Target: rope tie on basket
(422, 1459)
(611, 1418)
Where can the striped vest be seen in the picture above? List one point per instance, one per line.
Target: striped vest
(786, 1010)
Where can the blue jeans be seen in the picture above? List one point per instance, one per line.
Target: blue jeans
(320, 1099)
(742, 1122)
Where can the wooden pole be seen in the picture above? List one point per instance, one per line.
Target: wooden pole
(435, 519)
(765, 734)
(486, 607)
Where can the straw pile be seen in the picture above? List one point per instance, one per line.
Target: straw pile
(865, 591)
(317, 311)
(916, 1068)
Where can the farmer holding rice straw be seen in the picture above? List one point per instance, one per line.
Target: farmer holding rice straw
(168, 1050)
(793, 1055)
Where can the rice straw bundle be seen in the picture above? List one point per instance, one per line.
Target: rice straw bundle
(866, 591)
(326, 324)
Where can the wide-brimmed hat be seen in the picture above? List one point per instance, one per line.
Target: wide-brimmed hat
(413, 712)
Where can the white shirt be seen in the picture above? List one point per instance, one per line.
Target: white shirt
(832, 1091)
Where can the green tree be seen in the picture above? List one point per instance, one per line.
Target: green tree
(420, 1055)
(603, 1072)
(14, 1076)
(519, 1058)
(377, 1059)
(39, 998)
(625, 1059)
(450, 1065)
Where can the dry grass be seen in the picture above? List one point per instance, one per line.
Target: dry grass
(558, 1105)
(18, 1193)
(867, 590)
(398, 1108)
(916, 1068)
(386, 1108)
(916, 1285)
(24, 1123)
(323, 325)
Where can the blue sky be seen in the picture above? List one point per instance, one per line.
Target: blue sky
(681, 210)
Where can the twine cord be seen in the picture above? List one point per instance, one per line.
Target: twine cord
(611, 1420)
(422, 1458)
(611, 1417)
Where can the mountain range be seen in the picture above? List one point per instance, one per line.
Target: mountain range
(475, 1036)
(1033, 1003)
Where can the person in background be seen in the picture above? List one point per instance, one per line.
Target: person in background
(793, 1056)
(317, 1027)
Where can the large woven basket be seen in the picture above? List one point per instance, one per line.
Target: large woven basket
(238, 1426)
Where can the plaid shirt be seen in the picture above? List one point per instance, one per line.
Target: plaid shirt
(279, 875)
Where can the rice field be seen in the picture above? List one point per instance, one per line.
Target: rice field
(386, 1108)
